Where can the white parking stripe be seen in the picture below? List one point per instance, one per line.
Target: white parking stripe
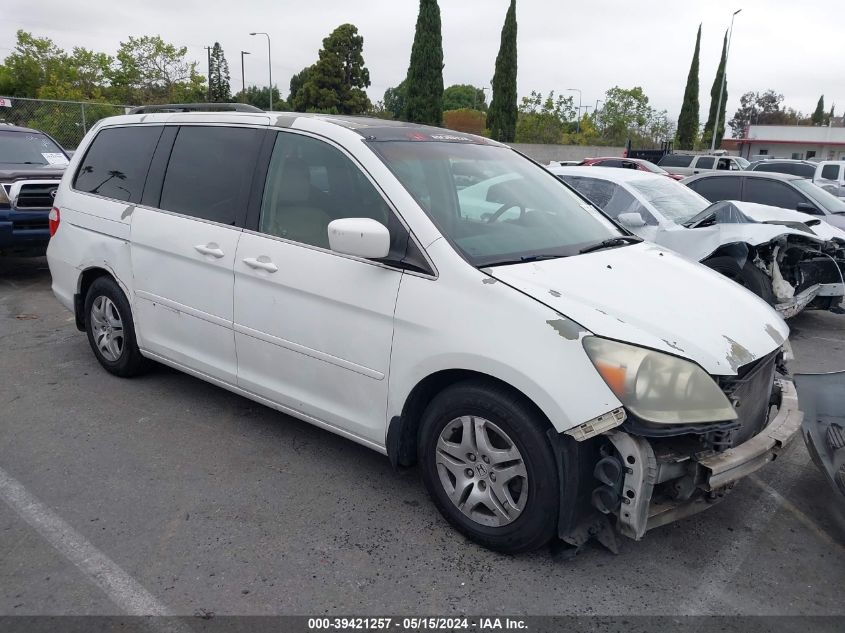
(123, 590)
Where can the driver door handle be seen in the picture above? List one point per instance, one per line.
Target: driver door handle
(261, 263)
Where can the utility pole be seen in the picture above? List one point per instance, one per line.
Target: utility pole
(722, 88)
(208, 51)
(578, 125)
(243, 76)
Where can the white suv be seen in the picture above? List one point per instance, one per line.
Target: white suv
(550, 374)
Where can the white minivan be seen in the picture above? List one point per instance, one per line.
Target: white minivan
(550, 373)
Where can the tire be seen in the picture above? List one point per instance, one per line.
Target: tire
(111, 330)
(748, 276)
(498, 421)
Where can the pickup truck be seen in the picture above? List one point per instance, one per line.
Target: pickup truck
(830, 176)
(31, 166)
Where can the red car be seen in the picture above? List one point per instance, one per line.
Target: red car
(627, 163)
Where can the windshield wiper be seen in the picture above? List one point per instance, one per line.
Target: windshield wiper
(523, 259)
(613, 242)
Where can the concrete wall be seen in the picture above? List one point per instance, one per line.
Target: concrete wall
(545, 153)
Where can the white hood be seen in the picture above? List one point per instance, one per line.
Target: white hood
(649, 296)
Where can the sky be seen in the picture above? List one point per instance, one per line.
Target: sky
(794, 47)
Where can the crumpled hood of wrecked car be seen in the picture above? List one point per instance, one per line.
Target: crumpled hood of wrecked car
(647, 295)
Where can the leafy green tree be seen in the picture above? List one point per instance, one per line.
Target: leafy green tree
(464, 96)
(218, 80)
(716, 108)
(502, 115)
(150, 70)
(543, 120)
(626, 114)
(424, 82)
(296, 83)
(259, 96)
(337, 81)
(818, 114)
(396, 100)
(688, 120)
(764, 108)
(34, 63)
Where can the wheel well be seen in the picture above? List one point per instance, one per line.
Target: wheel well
(738, 251)
(85, 280)
(402, 434)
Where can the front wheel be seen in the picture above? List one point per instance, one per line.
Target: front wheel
(489, 467)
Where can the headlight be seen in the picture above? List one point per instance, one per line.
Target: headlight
(656, 387)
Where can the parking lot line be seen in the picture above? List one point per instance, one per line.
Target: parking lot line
(123, 590)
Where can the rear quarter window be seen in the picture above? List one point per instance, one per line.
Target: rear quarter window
(675, 160)
(116, 163)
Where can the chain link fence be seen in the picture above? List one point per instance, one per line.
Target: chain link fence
(65, 121)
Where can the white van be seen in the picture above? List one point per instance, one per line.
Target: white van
(549, 372)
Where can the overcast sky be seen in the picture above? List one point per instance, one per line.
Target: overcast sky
(795, 47)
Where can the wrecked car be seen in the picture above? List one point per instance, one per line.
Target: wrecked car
(791, 260)
(549, 373)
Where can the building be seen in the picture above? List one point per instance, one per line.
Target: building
(792, 141)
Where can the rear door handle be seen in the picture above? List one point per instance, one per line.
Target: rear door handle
(210, 249)
(261, 263)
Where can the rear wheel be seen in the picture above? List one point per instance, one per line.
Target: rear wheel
(110, 329)
(489, 467)
(746, 275)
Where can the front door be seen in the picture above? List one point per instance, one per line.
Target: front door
(313, 328)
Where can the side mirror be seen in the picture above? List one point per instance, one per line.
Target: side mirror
(806, 207)
(361, 237)
(631, 220)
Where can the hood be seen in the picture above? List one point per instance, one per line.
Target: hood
(767, 214)
(649, 296)
(10, 172)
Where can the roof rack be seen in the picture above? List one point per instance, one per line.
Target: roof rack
(195, 107)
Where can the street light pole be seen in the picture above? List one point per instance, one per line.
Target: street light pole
(243, 76)
(269, 65)
(722, 88)
(578, 124)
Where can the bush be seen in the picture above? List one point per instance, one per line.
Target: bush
(465, 120)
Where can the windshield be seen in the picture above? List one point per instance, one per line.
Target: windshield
(514, 210)
(670, 198)
(29, 148)
(824, 198)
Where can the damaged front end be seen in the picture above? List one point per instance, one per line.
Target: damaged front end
(639, 476)
(804, 273)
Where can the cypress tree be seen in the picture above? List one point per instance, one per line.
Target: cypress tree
(218, 77)
(830, 114)
(501, 116)
(425, 73)
(688, 121)
(818, 115)
(707, 136)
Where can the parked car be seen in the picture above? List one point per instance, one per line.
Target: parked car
(627, 163)
(31, 164)
(830, 176)
(689, 164)
(777, 190)
(800, 168)
(532, 360)
(563, 163)
(773, 252)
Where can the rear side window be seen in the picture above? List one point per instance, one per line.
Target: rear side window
(718, 188)
(830, 172)
(675, 160)
(705, 162)
(116, 164)
(210, 171)
(773, 192)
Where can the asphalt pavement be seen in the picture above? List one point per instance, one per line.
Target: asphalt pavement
(164, 494)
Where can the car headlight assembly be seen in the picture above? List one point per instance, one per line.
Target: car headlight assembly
(656, 387)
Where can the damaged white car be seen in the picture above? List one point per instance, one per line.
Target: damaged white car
(791, 260)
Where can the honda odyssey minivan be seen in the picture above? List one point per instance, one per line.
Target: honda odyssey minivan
(548, 372)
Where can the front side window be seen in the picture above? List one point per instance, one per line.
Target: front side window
(309, 184)
(670, 198)
(518, 211)
(116, 164)
(772, 192)
(210, 171)
(29, 148)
